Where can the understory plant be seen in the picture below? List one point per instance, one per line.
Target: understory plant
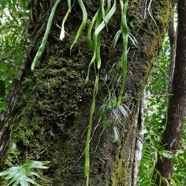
(24, 175)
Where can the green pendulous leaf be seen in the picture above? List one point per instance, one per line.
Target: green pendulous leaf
(167, 155)
(82, 26)
(45, 37)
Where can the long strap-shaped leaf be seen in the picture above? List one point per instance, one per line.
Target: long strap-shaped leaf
(99, 29)
(87, 148)
(95, 42)
(45, 37)
(96, 83)
(108, 6)
(102, 2)
(82, 26)
(89, 33)
(125, 32)
(148, 8)
(107, 19)
(96, 60)
(62, 34)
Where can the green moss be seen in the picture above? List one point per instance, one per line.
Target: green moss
(53, 107)
(13, 155)
(119, 173)
(49, 114)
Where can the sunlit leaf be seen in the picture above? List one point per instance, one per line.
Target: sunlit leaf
(166, 155)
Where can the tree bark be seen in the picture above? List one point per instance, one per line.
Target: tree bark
(51, 113)
(177, 101)
(172, 40)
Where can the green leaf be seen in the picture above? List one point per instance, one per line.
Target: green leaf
(21, 175)
(123, 111)
(82, 26)
(172, 143)
(2, 106)
(116, 133)
(45, 37)
(62, 34)
(36, 164)
(166, 155)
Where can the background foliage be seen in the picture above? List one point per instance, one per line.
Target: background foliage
(155, 119)
(13, 40)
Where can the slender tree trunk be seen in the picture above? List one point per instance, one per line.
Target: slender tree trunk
(172, 40)
(139, 141)
(177, 102)
(52, 108)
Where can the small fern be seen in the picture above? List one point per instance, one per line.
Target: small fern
(21, 175)
(112, 115)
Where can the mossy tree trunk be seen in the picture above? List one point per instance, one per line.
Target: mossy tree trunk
(50, 117)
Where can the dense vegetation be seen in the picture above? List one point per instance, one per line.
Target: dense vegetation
(15, 38)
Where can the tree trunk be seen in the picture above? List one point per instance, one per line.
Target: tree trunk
(172, 40)
(177, 101)
(51, 113)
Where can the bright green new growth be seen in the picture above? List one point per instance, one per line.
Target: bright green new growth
(21, 175)
(45, 37)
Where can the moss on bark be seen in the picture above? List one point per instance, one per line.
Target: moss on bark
(52, 110)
